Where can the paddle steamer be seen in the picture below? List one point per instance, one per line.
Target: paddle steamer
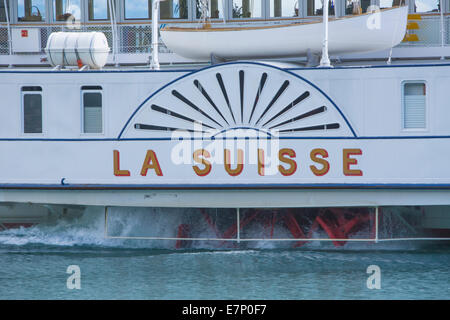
(326, 122)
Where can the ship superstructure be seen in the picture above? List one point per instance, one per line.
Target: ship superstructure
(326, 153)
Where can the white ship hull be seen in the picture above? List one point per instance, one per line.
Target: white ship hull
(365, 33)
(307, 138)
(350, 153)
(307, 131)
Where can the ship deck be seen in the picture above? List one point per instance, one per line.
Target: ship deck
(288, 64)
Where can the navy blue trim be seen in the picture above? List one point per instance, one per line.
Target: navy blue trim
(194, 68)
(62, 71)
(229, 138)
(375, 66)
(231, 63)
(68, 186)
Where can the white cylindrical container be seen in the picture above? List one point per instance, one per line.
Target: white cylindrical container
(77, 48)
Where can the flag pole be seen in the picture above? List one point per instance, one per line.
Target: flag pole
(325, 60)
(154, 63)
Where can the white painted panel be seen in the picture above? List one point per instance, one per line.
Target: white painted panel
(26, 40)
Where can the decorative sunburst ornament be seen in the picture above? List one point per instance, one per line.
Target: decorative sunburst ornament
(225, 99)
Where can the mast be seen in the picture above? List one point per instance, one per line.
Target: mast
(112, 14)
(154, 64)
(441, 9)
(325, 60)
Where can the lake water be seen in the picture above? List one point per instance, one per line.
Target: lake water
(34, 263)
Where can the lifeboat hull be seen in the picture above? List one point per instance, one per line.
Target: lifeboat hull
(359, 34)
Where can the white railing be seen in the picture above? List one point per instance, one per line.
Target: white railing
(137, 38)
(131, 38)
(430, 32)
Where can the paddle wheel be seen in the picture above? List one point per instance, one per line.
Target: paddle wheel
(339, 224)
(240, 228)
(8, 225)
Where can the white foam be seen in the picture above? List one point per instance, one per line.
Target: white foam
(89, 230)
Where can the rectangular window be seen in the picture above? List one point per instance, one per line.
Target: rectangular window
(356, 7)
(32, 109)
(387, 3)
(138, 9)
(216, 9)
(284, 8)
(98, 9)
(31, 10)
(314, 7)
(174, 9)
(3, 11)
(63, 10)
(92, 109)
(247, 9)
(414, 105)
(426, 6)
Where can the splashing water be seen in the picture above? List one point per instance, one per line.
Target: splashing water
(33, 264)
(89, 230)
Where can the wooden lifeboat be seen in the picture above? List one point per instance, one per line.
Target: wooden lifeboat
(369, 32)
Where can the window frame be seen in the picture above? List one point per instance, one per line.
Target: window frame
(22, 112)
(84, 89)
(190, 14)
(263, 16)
(444, 7)
(193, 8)
(9, 10)
(53, 13)
(268, 3)
(123, 8)
(343, 10)
(108, 18)
(314, 16)
(15, 7)
(427, 103)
